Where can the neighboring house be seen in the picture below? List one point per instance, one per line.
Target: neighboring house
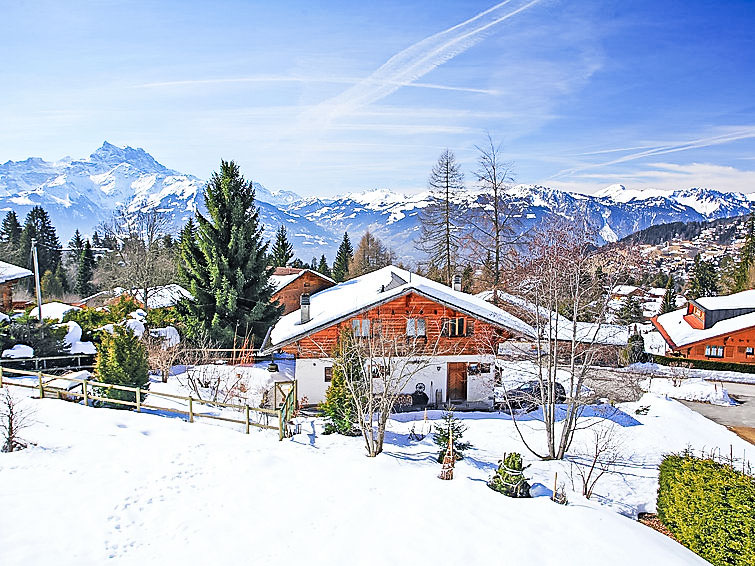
(625, 291)
(453, 333)
(291, 283)
(605, 341)
(9, 275)
(712, 328)
(157, 297)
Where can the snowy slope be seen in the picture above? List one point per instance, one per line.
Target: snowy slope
(114, 487)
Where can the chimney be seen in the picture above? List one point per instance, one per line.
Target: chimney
(304, 302)
(457, 282)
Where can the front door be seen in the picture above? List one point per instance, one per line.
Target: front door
(457, 381)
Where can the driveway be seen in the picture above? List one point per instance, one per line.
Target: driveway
(740, 419)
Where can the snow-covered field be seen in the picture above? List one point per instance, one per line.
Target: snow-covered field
(107, 486)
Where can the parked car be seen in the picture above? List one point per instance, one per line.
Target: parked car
(527, 396)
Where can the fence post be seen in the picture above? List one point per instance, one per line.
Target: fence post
(138, 400)
(86, 395)
(1, 377)
(41, 387)
(247, 419)
(280, 424)
(191, 410)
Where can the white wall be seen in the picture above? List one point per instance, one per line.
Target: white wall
(310, 375)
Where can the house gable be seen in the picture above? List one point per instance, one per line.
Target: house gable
(295, 285)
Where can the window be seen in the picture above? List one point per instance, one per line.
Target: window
(361, 327)
(328, 374)
(750, 351)
(416, 327)
(458, 326)
(714, 351)
(477, 369)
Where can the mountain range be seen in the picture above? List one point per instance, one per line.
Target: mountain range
(82, 193)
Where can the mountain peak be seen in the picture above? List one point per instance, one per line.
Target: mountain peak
(113, 155)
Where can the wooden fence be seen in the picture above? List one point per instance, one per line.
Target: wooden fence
(53, 363)
(91, 390)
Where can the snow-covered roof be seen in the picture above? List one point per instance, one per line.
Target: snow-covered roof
(740, 300)
(10, 272)
(357, 295)
(54, 310)
(682, 334)
(280, 281)
(160, 297)
(624, 290)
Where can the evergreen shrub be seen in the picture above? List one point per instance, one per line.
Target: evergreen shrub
(509, 478)
(121, 360)
(440, 436)
(709, 507)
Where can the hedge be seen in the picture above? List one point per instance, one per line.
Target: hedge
(709, 507)
(706, 364)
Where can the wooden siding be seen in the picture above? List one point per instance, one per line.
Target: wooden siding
(6, 289)
(290, 295)
(390, 319)
(735, 346)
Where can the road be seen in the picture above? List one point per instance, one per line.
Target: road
(741, 419)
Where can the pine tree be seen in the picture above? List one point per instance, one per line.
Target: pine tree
(121, 360)
(747, 256)
(440, 221)
(10, 238)
(343, 258)
(84, 271)
(38, 226)
(440, 436)
(226, 266)
(76, 244)
(323, 268)
(630, 311)
(339, 407)
(668, 303)
(703, 280)
(96, 240)
(371, 254)
(282, 250)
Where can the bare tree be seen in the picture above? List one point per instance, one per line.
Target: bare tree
(496, 217)
(601, 456)
(140, 261)
(560, 281)
(13, 419)
(162, 355)
(441, 220)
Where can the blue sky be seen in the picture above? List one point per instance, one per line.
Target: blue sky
(332, 97)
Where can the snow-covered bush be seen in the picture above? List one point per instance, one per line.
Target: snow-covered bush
(509, 478)
(44, 338)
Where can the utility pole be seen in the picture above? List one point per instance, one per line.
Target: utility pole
(36, 277)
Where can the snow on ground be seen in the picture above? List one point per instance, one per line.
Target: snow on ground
(707, 374)
(690, 389)
(108, 486)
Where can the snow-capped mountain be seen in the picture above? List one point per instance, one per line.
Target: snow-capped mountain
(82, 193)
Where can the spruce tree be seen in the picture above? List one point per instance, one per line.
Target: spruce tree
(703, 280)
(121, 360)
(76, 244)
(630, 311)
(282, 250)
(668, 303)
(747, 256)
(84, 271)
(38, 226)
(448, 425)
(323, 268)
(343, 258)
(96, 240)
(10, 238)
(339, 407)
(225, 267)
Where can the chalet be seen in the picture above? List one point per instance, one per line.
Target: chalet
(712, 328)
(164, 296)
(625, 291)
(9, 275)
(454, 334)
(290, 283)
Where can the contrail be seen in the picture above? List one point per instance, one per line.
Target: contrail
(419, 59)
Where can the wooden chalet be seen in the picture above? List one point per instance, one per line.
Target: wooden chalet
(10, 275)
(454, 334)
(290, 283)
(712, 328)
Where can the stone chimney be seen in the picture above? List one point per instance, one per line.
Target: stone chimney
(304, 303)
(457, 282)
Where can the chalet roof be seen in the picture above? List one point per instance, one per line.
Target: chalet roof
(280, 281)
(624, 290)
(681, 333)
(160, 297)
(742, 300)
(357, 295)
(10, 272)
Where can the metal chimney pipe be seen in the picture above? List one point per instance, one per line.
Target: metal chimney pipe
(457, 282)
(304, 307)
